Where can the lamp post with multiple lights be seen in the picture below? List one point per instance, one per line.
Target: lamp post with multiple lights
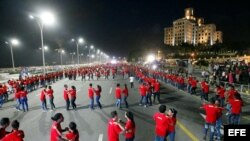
(13, 42)
(79, 41)
(46, 18)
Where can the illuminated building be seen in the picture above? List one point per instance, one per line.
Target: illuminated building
(191, 30)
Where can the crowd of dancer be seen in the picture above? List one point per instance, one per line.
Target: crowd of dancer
(149, 89)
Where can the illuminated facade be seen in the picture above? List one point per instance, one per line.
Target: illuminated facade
(191, 31)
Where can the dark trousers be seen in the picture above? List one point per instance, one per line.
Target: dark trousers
(149, 100)
(52, 105)
(125, 101)
(157, 95)
(67, 104)
(98, 101)
(132, 85)
(72, 100)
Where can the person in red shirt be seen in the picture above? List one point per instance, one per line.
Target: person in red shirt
(161, 124)
(125, 92)
(189, 85)
(73, 134)
(149, 88)
(206, 90)
(219, 120)
(128, 127)
(202, 89)
(193, 85)
(5, 92)
(56, 129)
(171, 115)
(114, 129)
(66, 96)
(98, 95)
(211, 117)
(229, 97)
(16, 134)
(118, 95)
(221, 93)
(143, 93)
(236, 104)
(50, 93)
(24, 99)
(91, 96)
(157, 91)
(4, 123)
(43, 98)
(72, 93)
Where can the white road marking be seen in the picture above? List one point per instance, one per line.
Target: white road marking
(100, 137)
(110, 91)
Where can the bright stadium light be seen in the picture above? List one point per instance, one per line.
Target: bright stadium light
(154, 67)
(80, 40)
(47, 18)
(151, 58)
(14, 42)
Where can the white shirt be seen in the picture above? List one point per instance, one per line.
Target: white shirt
(131, 79)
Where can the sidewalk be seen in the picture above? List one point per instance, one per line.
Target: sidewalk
(245, 108)
(4, 77)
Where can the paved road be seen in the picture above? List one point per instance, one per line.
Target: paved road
(92, 124)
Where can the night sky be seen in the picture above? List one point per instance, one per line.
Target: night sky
(114, 26)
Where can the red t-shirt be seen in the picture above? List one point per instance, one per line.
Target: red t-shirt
(65, 94)
(23, 94)
(91, 92)
(17, 95)
(118, 92)
(161, 127)
(72, 136)
(43, 95)
(222, 92)
(203, 85)
(17, 135)
(72, 93)
(53, 133)
(130, 129)
(206, 88)
(1, 91)
(50, 93)
(98, 92)
(194, 83)
(125, 91)
(143, 90)
(113, 131)
(156, 87)
(211, 113)
(231, 94)
(236, 106)
(172, 123)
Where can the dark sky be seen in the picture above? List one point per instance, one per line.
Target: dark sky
(115, 26)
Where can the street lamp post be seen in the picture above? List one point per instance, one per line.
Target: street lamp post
(79, 41)
(61, 52)
(44, 18)
(72, 54)
(81, 55)
(91, 47)
(11, 43)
